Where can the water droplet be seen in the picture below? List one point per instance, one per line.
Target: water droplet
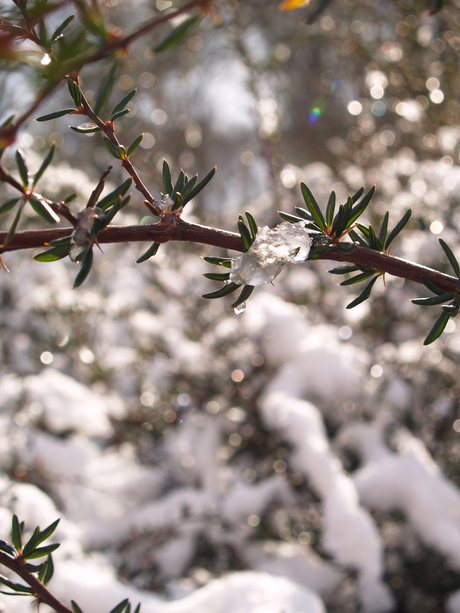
(240, 308)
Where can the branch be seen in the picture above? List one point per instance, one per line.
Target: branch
(8, 133)
(194, 233)
(41, 592)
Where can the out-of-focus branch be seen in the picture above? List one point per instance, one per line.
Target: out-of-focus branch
(8, 133)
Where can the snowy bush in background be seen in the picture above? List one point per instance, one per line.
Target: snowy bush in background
(298, 457)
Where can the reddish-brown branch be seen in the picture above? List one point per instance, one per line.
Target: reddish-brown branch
(194, 233)
(41, 592)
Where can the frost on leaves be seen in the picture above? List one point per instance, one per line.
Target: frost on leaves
(270, 252)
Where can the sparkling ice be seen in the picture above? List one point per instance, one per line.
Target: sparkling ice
(270, 252)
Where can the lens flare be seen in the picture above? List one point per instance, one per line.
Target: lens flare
(317, 110)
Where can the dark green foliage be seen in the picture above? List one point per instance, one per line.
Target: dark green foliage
(364, 294)
(134, 144)
(22, 168)
(223, 291)
(16, 533)
(246, 237)
(167, 181)
(245, 293)
(46, 162)
(437, 329)
(111, 148)
(151, 251)
(111, 198)
(177, 34)
(398, 228)
(252, 225)
(55, 115)
(313, 207)
(451, 257)
(105, 89)
(43, 210)
(52, 255)
(119, 107)
(8, 205)
(60, 29)
(227, 262)
(85, 267)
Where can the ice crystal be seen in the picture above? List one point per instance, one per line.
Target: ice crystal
(165, 203)
(81, 237)
(270, 252)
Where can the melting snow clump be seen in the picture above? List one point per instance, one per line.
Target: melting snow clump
(270, 252)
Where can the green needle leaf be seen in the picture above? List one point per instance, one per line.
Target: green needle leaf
(252, 225)
(398, 228)
(358, 194)
(289, 218)
(227, 289)
(364, 294)
(330, 210)
(111, 198)
(438, 328)
(105, 89)
(451, 257)
(84, 269)
(45, 164)
(16, 533)
(202, 184)
(8, 205)
(75, 607)
(120, 606)
(52, 255)
(22, 167)
(123, 102)
(111, 148)
(358, 278)
(246, 237)
(167, 182)
(49, 572)
(178, 34)
(245, 293)
(217, 276)
(151, 251)
(43, 551)
(60, 29)
(55, 115)
(359, 209)
(135, 144)
(384, 228)
(313, 207)
(432, 286)
(432, 300)
(44, 210)
(227, 262)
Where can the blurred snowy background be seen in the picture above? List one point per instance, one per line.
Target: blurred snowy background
(297, 458)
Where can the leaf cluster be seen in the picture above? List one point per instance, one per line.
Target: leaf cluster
(248, 235)
(449, 301)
